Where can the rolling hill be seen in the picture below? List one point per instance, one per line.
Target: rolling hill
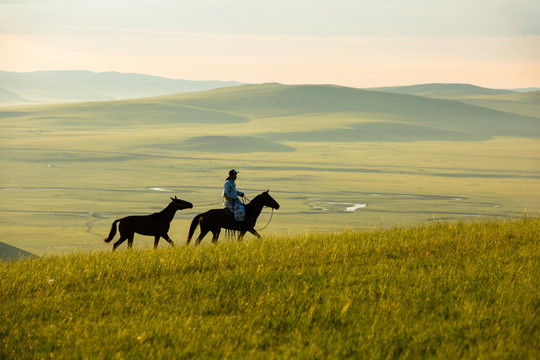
(515, 101)
(401, 116)
(527, 103)
(443, 91)
(292, 113)
(9, 252)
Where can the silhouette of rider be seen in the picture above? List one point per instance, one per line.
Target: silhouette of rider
(230, 198)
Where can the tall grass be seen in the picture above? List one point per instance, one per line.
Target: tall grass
(447, 290)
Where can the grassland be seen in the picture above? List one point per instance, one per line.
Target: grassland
(69, 170)
(455, 289)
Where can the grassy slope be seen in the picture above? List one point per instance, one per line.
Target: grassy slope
(527, 103)
(448, 290)
(8, 252)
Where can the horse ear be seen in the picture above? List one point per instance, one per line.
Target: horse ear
(267, 191)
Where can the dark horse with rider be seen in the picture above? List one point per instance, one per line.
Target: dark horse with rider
(235, 216)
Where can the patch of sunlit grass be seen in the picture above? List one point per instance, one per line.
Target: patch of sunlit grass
(448, 289)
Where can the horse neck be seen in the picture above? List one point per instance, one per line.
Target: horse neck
(169, 212)
(255, 207)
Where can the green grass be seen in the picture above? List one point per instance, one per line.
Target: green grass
(441, 289)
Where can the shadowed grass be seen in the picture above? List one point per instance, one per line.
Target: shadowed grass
(450, 290)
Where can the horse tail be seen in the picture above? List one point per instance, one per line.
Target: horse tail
(193, 226)
(112, 233)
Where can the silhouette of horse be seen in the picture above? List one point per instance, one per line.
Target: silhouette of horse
(156, 224)
(216, 219)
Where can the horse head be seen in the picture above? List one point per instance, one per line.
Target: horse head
(269, 200)
(181, 204)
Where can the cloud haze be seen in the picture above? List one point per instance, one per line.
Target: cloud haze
(357, 43)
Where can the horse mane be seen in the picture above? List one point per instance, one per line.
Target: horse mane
(171, 204)
(253, 202)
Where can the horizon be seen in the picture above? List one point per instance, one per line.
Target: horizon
(348, 43)
(519, 89)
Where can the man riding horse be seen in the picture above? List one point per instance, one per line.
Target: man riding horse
(230, 198)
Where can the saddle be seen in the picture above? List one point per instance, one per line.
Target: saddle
(231, 221)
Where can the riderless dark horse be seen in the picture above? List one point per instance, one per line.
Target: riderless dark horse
(216, 219)
(156, 224)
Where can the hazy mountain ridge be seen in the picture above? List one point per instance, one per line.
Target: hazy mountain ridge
(10, 97)
(73, 86)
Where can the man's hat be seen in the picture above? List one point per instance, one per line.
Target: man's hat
(232, 172)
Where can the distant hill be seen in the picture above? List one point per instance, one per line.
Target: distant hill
(443, 91)
(523, 103)
(381, 116)
(8, 252)
(70, 86)
(526, 89)
(292, 113)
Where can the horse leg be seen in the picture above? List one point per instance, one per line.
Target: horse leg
(201, 235)
(130, 241)
(169, 240)
(215, 236)
(156, 241)
(254, 232)
(120, 241)
(241, 235)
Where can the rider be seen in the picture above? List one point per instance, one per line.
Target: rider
(230, 197)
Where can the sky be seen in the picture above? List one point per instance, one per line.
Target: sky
(359, 43)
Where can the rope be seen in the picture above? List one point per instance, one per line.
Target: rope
(272, 214)
(206, 205)
(219, 203)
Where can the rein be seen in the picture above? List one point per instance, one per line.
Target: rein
(272, 214)
(212, 204)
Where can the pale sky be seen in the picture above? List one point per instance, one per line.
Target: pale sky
(491, 43)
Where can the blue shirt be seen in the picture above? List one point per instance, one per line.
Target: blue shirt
(230, 194)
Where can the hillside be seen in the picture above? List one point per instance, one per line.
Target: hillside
(444, 91)
(449, 290)
(525, 103)
(293, 113)
(69, 86)
(9, 252)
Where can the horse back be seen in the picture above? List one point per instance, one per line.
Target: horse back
(144, 224)
(217, 217)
